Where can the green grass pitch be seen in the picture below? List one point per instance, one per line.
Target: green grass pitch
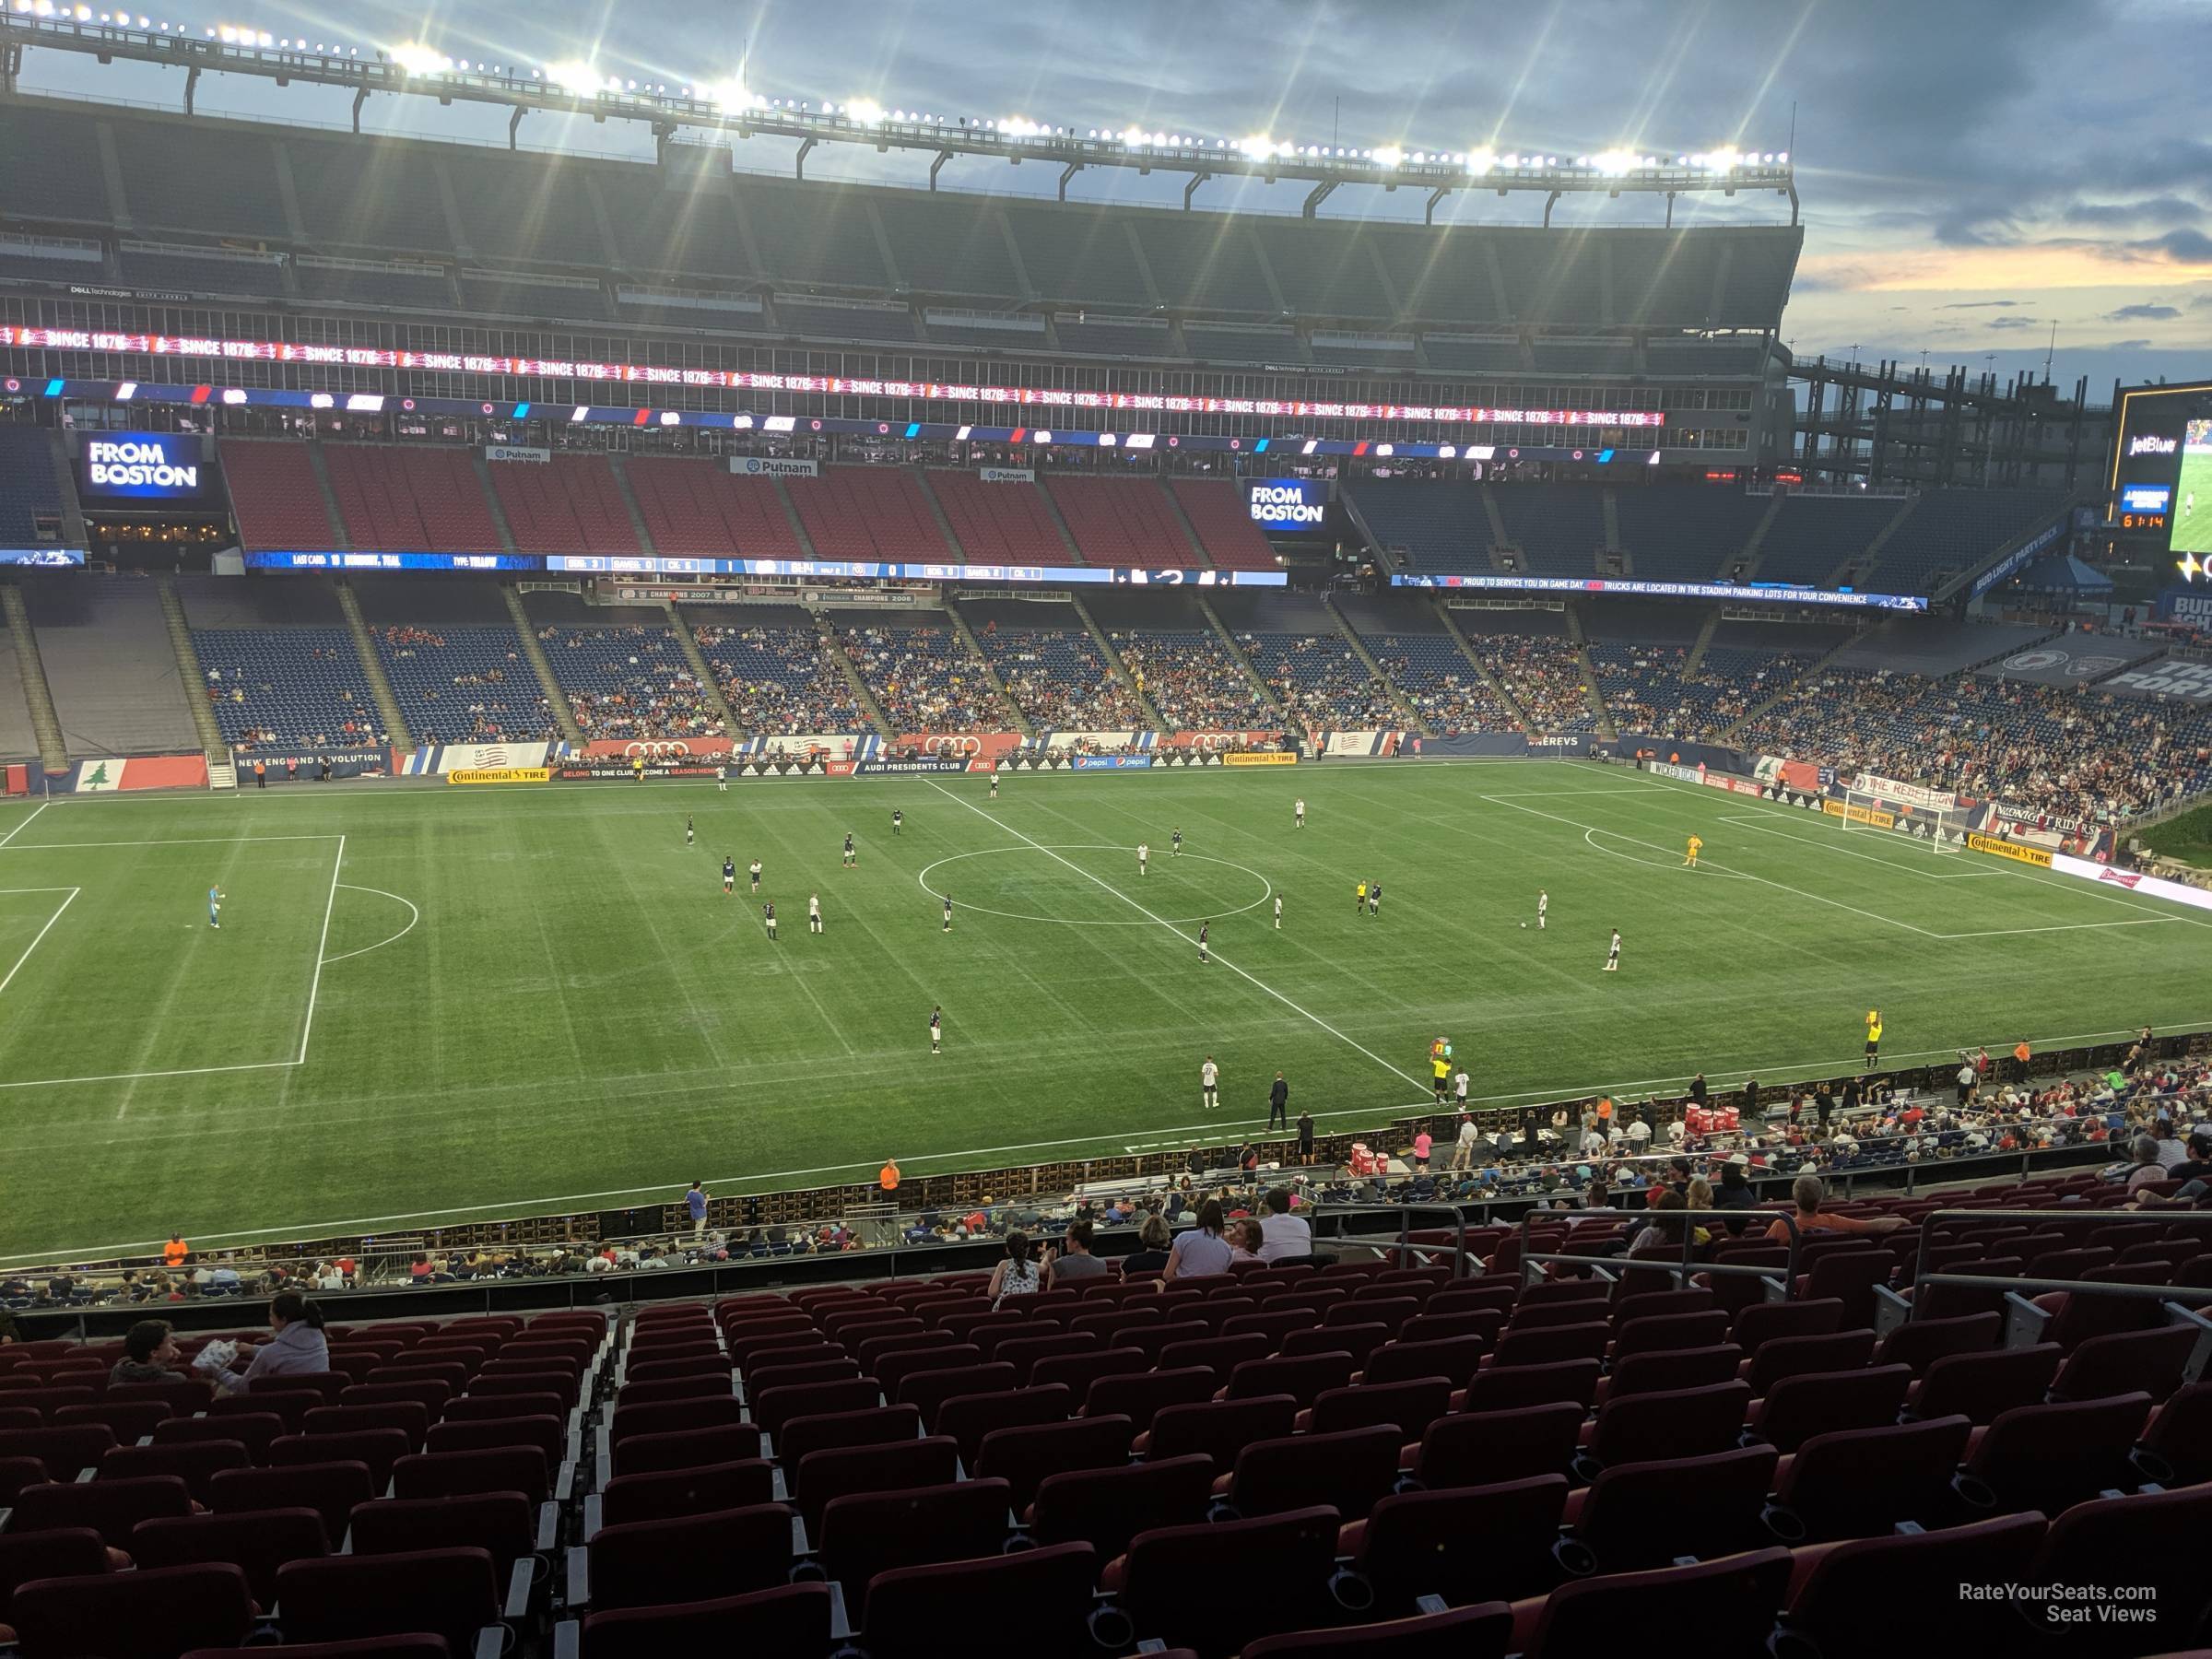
(2193, 504)
(427, 1006)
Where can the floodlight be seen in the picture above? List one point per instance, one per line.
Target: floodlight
(418, 59)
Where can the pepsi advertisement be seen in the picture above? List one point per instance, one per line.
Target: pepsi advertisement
(144, 466)
(1287, 506)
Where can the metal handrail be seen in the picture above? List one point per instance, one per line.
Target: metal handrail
(2111, 1217)
(1681, 1271)
(1404, 1247)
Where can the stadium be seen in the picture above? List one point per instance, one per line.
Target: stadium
(656, 941)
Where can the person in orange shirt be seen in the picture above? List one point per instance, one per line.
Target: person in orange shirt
(889, 1177)
(1808, 1193)
(2019, 1062)
(175, 1251)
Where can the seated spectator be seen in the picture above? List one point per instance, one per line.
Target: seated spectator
(1156, 1237)
(2144, 1148)
(1284, 1237)
(149, 1355)
(1807, 1194)
(1074, 1262)
(1201, 1252)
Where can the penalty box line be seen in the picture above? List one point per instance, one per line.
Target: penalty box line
(1170, 927)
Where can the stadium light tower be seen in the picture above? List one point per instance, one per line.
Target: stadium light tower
(581, 87)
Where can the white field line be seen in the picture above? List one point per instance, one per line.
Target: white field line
(314, 986)
(190, 840)
(25, 824)
(1186, 938)
(42, 935)
(188, 1071)
(414, 916)
(1774, 1070)
(1748, 821)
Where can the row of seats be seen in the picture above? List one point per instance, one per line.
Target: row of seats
(1057, 679)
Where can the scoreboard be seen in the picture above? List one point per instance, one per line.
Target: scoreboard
(2158, 485)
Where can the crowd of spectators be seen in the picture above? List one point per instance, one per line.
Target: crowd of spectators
(500, 698)
(1545, 676)
(2072, 752)
(1192, 681)
(1057, 676)
(1321, 683)
(629, 682)
(1443, 688)
(923, 679)
(779, 679)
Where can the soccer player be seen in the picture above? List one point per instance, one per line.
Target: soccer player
(1359, 899)
(994, 786)
(898, 820)
(768, 915)
(1459, 1089)
(1374, 898)
(756, 875)
(689, 835)
(722, 778)
(850, 856)
(1202, 939)
(1278, 912)
(1874, 1037)
(729, 875)
(814, 912)
(1543, 907)
(1175, 843)
(1613, 953)
(937, 1015)
(1298, 808)
(948, 913)
(1209, 1080)
(1143, 852)
(215, 908)
(1696, 844)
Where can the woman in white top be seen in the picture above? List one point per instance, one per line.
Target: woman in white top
(1201, 1252)
(1017, 1276)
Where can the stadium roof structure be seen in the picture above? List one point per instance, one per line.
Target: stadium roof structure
(734, 110)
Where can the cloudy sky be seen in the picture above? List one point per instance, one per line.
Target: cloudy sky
(1972, 171)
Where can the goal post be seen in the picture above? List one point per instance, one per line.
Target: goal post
(1938, 828)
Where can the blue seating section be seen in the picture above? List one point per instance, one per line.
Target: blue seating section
(287, 687)
(1320, 682)
(1950, 531)
(1541, 673)
(465, 684)
(1813, 535)
(776, 679)
(629, 682)
(31, 493)
(1560, 526)
(923, 679)
(1057, 676)
(1684, 532)
(1440, 683)
(1646, 694)
(1440, 525)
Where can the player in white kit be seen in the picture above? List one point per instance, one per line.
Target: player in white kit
(1543, 907)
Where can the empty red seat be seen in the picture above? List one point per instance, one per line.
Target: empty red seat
(822, 1477)
(794, 1618)
(1848, 1598)
(379, 1449)
(543, 1434)
(488, 1469)
(865, 1534)
(1023, 1455)
(1106, 1508)
(111, 1508)
(255, 1430)
(258, 1541)
(1469, 1544)
(1140, 1396)
(1786, 1357)
(1493, 1389)
(1860, 1482)
(1480, 1632)
(128, 1421)
(1640, 1515)
(967, 1418)
(2050, 1457)
(674, 1416)
(1044, 1594)
(501, 1523)
(1729, 1603)
(1220, 1429)
(670, 1492)
(1303, 1377)
(1918, 1343)
(63, 1451)
(651, 1563)
(930, 1389)
(2121, 1362)
(1684, 1422)
(2151, 1540)
(156, 1613)
(2178, 1449)
(1170, 1583)
(1349, 1471)
(449, 1592)
(331, 1490)
(1484, 1448)
(1984, 1385)
(1798, 1407)
(1409, 1406)
(878, 1426)
(61, 1552)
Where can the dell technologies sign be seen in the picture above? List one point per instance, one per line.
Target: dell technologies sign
(1289, 505)
(161, 466)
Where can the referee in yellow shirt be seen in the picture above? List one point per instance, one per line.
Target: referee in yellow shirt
(1359, 899)
(1874, 1037)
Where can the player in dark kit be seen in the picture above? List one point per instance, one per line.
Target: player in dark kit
(848, 852)
(1175, 842)
(729, 875)
(768, 915)
(948, 913)
(688, 834)
(936, 1031)
(1203, 935)
(1374, 898)
(898, 820)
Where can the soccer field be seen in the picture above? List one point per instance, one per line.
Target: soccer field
(429, 1006)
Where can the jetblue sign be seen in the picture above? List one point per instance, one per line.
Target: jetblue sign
(1287, 504)
(149, 466)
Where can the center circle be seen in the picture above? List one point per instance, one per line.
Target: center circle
(1086, 878)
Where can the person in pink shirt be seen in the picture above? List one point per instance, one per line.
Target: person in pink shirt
(1421, 1144)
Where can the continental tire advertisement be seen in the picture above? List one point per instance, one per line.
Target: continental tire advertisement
(2012, 850)
(504, 774)
(1263, 758)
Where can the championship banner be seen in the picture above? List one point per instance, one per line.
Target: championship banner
(656, 748)
(964, 746)
(503, 774)
(1263, 758)
(1905, 794)
(1103, 740)
(826, 745)
(2004, 849)
(431, 759)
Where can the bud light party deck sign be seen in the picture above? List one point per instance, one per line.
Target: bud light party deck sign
(1288, 504)
(159, 466)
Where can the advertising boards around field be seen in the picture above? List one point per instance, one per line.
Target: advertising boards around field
(527, 453)
(773, 467)
(1746, 786)
(1220, 740)
(2155, 887)
(131, 772)
(1006, 474)
(1898, 791)
(616, 769)
(2183, 682)
(502, 774)
(1057, 742)
(888, 768)
(431, 760)
(1978, 842)
(1112, 763)
(1715, 756)
(959, 745)
(657, 748)
(1667, 769)
(343, 763)
(1853, 813)
(1263, 758)
(825, 745)
(1354, 743)
(2005, 817)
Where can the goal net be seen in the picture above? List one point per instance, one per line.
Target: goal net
(1938, 828)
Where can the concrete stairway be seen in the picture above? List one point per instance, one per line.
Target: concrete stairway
(45, 724)
(1466, 649)
(1407, 711)
(1113, 661)
(966, 635)
(834, 649)
(534, 653)
(709, 686)
(1228, 643)
(617, 465)
(373, 666)
(189, 672)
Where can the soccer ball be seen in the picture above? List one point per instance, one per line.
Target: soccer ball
(1524, 924)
